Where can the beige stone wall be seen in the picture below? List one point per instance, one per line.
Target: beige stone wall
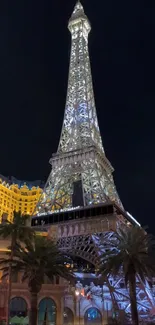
(55, 292)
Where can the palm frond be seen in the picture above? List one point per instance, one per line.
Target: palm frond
(129, 249)
(38, 258)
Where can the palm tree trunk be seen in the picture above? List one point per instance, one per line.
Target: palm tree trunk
(114, 303)
(33, 308)
(133, 299)
(10, 281)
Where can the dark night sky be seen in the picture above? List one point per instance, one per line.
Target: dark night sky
(34, 51)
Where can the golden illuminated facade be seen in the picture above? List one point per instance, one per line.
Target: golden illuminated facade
(16, 197)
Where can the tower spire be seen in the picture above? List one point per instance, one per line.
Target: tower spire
(77, 16)
(80, 126)
(81, 174)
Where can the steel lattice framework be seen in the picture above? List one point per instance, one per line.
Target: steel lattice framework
(80, 155)
(87, 240)
(89, 248)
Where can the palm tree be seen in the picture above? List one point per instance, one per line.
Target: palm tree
(128, 252)
(17, 231)
(39, 258)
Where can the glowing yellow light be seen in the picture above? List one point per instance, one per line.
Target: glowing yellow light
(5, 250)
(40, 233)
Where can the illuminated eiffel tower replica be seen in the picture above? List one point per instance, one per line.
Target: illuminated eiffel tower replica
(80, 203)
(81, 174)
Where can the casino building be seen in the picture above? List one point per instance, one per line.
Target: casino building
(18, 195)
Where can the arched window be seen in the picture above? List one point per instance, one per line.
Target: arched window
(47, 311)
(68, 317)
(18, 307)
(92, 317)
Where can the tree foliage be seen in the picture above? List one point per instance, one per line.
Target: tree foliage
(129, 252)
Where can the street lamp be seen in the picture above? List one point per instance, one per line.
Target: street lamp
(78, 295)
